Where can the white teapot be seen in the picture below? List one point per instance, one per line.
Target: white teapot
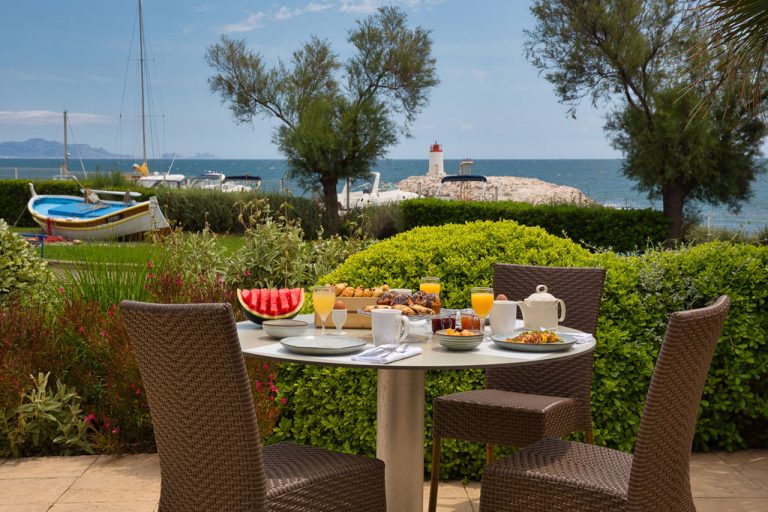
(540, 309)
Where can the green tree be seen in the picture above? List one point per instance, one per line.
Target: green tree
(335, 120)
(635, 56)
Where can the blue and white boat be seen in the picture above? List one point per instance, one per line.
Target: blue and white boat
(91, 218)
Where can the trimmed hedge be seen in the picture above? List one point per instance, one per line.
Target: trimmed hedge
(188, 208)
(592, 226)
(640, 293)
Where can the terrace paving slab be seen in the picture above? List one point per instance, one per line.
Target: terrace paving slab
(721, 482)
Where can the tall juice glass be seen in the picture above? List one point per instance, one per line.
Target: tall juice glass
(482, 302)
(430, 284)
(323, 298)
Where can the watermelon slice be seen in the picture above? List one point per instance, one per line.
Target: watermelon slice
(266, 304)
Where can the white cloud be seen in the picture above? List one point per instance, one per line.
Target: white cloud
(480, 74)
(42, 117)
(370, 6)
(466, 127)
(252, 22)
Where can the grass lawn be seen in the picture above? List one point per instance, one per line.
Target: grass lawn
(117, 251)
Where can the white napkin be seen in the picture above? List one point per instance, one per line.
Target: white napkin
(582, 337)
(373, 355)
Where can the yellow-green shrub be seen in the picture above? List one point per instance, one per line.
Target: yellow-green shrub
(324, 405)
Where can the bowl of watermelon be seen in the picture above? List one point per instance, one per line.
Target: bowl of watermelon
(260, 304)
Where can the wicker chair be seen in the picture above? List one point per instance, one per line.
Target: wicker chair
(206, 429)
(553, 474)
(523, 404)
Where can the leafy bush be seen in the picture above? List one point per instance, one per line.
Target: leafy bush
(593, 226)
(640, 293)
(46, 422)
(21, 269)
(222, 212)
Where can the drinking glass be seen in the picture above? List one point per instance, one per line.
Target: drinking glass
(338, 317)
(323, 298)
(430, 284)
(482, 302)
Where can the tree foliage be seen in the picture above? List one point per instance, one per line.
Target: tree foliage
(336, 119)
(636, 57)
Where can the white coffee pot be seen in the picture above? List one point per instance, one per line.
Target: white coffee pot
(540, 309)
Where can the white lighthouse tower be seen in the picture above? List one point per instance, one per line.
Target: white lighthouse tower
(436, 160)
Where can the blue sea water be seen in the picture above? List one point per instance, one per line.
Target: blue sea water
(601, 180)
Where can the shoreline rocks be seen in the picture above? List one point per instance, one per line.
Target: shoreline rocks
(501, 188)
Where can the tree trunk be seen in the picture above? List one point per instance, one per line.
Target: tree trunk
(674, 199)
(331, 202)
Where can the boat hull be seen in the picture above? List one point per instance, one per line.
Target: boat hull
(69, 217)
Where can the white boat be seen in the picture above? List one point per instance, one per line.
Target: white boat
(146, 177)
(372, 194)
(212, 180)
(91, 218)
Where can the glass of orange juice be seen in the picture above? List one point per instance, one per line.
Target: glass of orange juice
(323, 298)
(430, 284)
(482, 302)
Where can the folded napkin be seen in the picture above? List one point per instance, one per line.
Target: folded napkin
(375, 356)
(582, 337)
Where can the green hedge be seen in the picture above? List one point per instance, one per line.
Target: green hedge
(188, 208)
(593, 226)
(640, 292)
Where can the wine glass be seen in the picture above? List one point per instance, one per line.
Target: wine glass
(338, 317)
(430, 284)
(482, 302)
(323, 298)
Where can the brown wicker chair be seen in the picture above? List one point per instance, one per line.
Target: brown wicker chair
(206, 430)
(553, 474)
(523, 404)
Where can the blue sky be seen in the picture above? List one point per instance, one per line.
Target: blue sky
(491, 103)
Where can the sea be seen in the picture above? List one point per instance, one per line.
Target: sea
(601, 180)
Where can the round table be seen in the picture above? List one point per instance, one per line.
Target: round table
(400, 395)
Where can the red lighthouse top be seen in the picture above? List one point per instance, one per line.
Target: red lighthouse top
(435, 148)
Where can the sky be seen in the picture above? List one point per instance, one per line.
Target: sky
(80, 56)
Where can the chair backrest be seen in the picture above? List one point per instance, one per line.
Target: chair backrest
(202, 408)
(660, 478)
(581, 289)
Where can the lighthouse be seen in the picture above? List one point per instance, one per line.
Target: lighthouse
(435, 160)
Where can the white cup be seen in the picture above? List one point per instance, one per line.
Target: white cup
(388, 326)
(503, 316)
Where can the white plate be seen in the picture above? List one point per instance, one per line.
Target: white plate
(327, 345)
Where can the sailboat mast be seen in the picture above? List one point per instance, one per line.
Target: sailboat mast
(65, 168)
(141, 71)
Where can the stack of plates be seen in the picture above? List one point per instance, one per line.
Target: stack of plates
(459, 342)
(284, 328)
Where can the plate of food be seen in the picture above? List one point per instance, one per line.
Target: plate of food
(534, 340)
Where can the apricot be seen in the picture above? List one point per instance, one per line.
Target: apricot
(501, 296)
(339, 304)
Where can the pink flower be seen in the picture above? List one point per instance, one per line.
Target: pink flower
(89, 418)
(111, 311)
(103, 333)
(246, 273)
(258, 386)
(116, 430)
(178, 282)
(283, 400)
(61, 290)
(150, 275)
(81, 330)
(138, 390)
(150, 265)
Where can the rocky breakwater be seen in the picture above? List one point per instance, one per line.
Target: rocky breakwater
(501, 188)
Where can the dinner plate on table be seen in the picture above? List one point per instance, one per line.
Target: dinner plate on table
(323, 345)
(500, 340)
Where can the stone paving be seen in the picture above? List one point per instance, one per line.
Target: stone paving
(721, 482)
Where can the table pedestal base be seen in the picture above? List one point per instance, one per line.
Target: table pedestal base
(400, 437)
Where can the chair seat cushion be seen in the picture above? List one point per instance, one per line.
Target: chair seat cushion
(502, 417)
(307, 478)
(553, 474)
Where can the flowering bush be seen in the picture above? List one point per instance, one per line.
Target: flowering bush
(21, 269)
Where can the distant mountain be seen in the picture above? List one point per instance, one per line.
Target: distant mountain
(40, 148)
(198, 156)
